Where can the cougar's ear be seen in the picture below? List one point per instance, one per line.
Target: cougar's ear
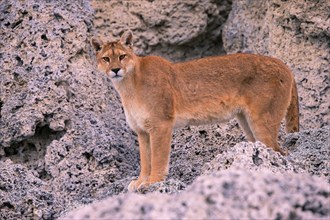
(97, 44)
(127, 39)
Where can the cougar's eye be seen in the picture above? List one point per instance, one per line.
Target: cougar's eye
(121, 57)
(106, 59)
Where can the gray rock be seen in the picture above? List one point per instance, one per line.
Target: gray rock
(61, 121)
(229, 194)
(254, 157)
(23, 195)
(310, 150)
(177, 30)
(193, 146)
(248, 180)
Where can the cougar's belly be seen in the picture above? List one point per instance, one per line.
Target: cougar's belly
(204, 117)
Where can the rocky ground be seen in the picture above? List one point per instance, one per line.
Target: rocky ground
(64, 142)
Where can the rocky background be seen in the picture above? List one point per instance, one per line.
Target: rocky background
(64, 142)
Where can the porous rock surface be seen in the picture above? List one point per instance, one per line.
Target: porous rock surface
(64, 141)
(310, 150)
(298, 33)
(177, 30)
(230, 194)
(247, 181)
(63, 136)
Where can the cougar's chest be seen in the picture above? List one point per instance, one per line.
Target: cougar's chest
(136, 115)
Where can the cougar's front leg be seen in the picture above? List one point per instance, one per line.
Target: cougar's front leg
(160, 142)
(145, 161)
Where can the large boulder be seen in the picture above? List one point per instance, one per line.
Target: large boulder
(252, 182)
(177, 30)
(63, 135)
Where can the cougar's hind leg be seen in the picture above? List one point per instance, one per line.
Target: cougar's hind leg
(245, 127)
(265, 129)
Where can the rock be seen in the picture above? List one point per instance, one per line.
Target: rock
(193, 146)
(177, 30)
(308, 153)
(296, 32)
(254, 157)
(310, 150)
(248, 180)
(61, 121)
(229, 194)
(23, 195)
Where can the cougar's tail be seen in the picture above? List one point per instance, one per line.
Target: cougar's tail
(292, 115)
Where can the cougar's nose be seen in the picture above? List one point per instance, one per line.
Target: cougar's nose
(116, 70)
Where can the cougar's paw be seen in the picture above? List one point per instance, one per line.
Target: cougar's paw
(139, 186)
(134, 185)
(143, 187)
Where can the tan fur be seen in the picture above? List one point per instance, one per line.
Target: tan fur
(158, 96)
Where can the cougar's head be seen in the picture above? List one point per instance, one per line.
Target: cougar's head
(116, 58)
